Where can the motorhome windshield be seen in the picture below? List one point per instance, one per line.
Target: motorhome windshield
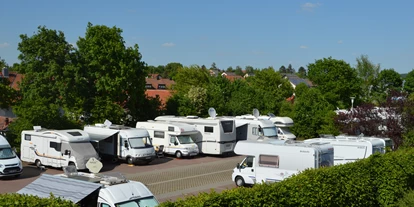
(286, 131)
(326, 159)
(270, 131)
(227, 126)
(6, 153)
(148, 201)
(140, 142)
(185, 139)
(380, 149)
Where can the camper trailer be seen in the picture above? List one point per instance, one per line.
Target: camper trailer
(274, 161)
(253, 128)
(217, 135)
(117, 142)
(92, 189)
(10, 164)
(57, 148)
(283, 125)
(174, 137)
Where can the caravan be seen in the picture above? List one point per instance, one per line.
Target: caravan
(174, 137)
(217, 135)
(57, 148)
(350, 149)
(10, 164)
(283, 125)
(277, 160)
(253, 128)
(121, 142)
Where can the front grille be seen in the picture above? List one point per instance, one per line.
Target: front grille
(11, 170)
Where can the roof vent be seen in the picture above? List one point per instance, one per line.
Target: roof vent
(192, 117)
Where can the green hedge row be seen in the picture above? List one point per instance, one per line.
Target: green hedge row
(380, 180)
(14, 199)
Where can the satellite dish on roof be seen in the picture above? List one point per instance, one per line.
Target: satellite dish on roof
(212, 112)
(271, 115)
(107, 123)
(256, 113)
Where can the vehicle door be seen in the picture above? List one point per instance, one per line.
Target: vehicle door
(172, 143)
(247, 170)
(54, 153)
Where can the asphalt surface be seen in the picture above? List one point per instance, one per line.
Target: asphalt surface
(168, 178)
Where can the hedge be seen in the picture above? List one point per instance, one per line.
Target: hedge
(380, 180)
(14, 199)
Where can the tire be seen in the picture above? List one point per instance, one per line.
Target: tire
(38, 163)
(130, 161)
(178, 154)
(239, 181)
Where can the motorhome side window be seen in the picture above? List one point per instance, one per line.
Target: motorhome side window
(56, 146)
(227, 126)
(255, 131)
(27, 137)
(171, 129)
(208, 129)
(269, 161)
(158, 134)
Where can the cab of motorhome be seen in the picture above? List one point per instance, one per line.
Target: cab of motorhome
(57, 148)
(217, 135)
(118, 142)
(10, 164)
(277, 160)
(283, 125)
(350, 149)
(176, 138)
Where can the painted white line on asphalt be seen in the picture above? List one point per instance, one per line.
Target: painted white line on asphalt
(172, 180)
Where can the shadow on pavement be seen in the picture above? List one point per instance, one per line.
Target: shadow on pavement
(28, 172)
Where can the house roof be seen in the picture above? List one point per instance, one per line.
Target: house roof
(154, 82)
(164, 95)
(296, 80)
(14, 78)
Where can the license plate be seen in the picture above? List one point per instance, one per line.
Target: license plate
(228, 146)
(148, 158)
(193, 154)
(13, 171)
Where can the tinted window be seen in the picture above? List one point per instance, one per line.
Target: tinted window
(227, 126)
(171, 129)
(28, 137)
(208, 129)
(56, 146)
(269, 161)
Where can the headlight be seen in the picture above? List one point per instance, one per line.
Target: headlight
(1, 165)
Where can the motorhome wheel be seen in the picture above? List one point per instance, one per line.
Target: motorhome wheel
(38, 163)
(239, 181)
(130, 160)
(178, 154)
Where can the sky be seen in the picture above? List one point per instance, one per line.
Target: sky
(229, 32)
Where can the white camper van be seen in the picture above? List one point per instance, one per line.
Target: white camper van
(92, 189)
(274, 161)
(253, 128)
(10, 164)
(175, 137)
(57, 148)
(283, 125)
(217, 135)
(121, 142)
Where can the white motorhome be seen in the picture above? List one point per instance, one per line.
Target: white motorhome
(283, 125)
(351, 149)
(10, 164)
(175, 137)
(253, 128)
(57, 148)
(121, 142)
(91, 189)
(217, 135)
(277, 160)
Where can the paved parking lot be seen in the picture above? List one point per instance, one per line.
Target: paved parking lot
(168, 178)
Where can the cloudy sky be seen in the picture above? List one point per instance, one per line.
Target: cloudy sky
(232, 32)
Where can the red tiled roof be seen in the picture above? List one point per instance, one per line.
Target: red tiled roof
(232, 78)
(154, 82)
(14, 78)
(164, 95)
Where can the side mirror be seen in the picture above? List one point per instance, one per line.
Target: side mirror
(67, 152)
(126, 144)
(238, 166)
(175, 143)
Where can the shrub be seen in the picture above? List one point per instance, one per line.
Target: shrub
(15, 199)
(380, 180)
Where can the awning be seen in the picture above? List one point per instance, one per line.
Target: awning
(98, 133)
(66, 188)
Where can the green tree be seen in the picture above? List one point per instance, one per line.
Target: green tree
(249, 69)
(239, 71)
(313, 115)
(171, 69)
(198, 99)
(336, 80)
(110, 77)
(213, 66)
(409, 82)
(302, 72)
(229, 69)
(219, 94)
(388, 79)
(282, 69)
(290, 69)
(190, 76)
(368, 72)
(244, 98)
(8, 94)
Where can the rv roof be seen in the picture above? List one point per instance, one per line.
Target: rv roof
(71, 135)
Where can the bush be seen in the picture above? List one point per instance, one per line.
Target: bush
(380, 180)
(15, 199)
(407, 200)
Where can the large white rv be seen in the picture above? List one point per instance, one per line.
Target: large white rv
(92, 189)
(283, 125)
(217, 135)
(10, 164)
(277, 160)
(251, 127)
(121, 142)
(175, 137)
(57, 148)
